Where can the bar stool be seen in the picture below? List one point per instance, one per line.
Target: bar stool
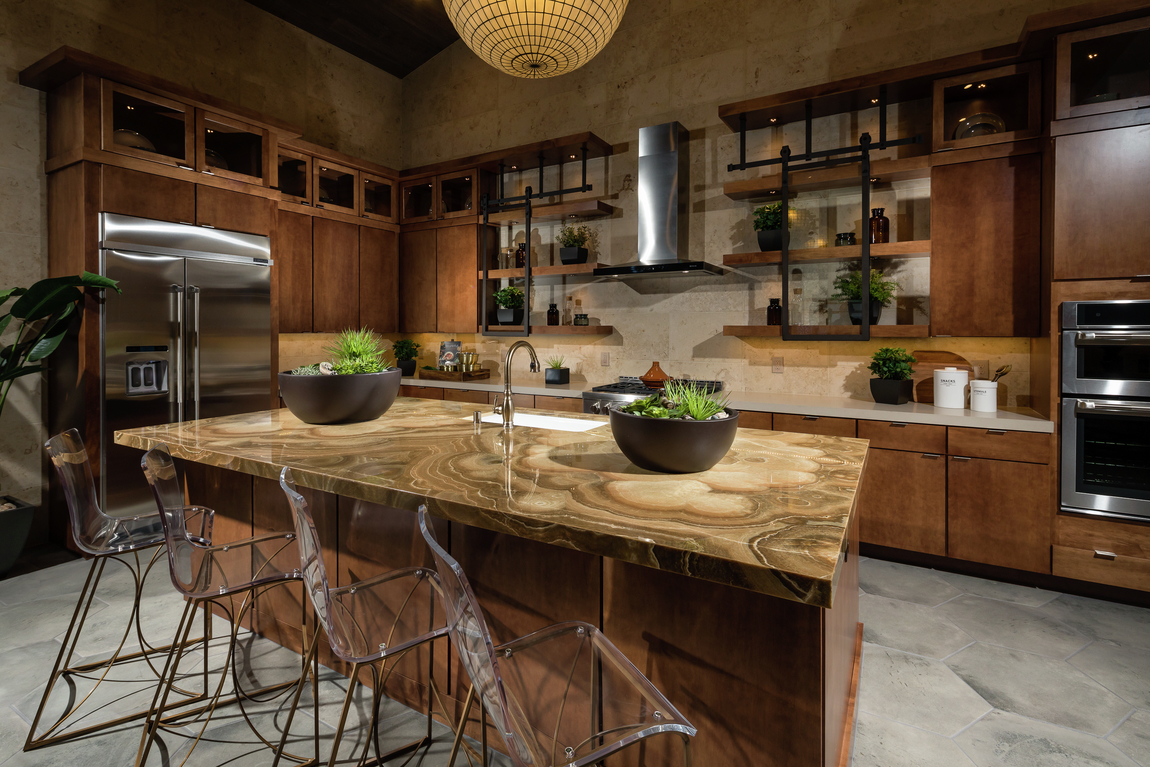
(377, 619)
(563, 695)
(103, 538)
(211, 574)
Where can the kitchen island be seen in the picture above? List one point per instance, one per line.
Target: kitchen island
(734, 590)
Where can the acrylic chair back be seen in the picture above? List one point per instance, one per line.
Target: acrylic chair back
(311, 563)
(189, 555)
(472, 640)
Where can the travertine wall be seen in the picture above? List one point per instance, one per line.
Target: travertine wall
(226, 48)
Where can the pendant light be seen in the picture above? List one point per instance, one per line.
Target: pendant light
(535, 38)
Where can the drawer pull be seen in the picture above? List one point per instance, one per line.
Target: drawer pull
(184, 167)
(1110, 555)
(959, 458)
(898, 425)
(996, 431)
(810, 417)
(932, 456)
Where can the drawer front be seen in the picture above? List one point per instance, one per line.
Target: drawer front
(1025, 446)
(565, 404)
(1129, 539)
(424, 392)
(465, 395)
(1102, 567)
(813, 424)
(752, 419)
(520, 401)
(912, 437)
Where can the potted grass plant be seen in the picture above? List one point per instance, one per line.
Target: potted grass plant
(509, 301)
(573, 244)
(405, 351)
(892, 384)
(356, 385)
(678, 430)
(848, 287)
(555, 372)
(769, 226)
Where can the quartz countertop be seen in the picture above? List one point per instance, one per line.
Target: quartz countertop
(771, 517)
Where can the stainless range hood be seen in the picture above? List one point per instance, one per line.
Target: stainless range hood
(664, 192)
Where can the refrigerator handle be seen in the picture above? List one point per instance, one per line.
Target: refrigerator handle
(195, 291)
(178, 293)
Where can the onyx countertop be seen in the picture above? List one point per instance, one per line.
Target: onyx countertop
(771, 517)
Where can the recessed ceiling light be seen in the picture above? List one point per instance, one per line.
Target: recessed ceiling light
(571, 156)
(982, 85)
(514, 167)
(774, 119)
(968, 86)
(874, 101)
(1089, 56)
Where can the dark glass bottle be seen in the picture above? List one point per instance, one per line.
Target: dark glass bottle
(879, 226)
(552, 315)
(775, 313)
(521, 255)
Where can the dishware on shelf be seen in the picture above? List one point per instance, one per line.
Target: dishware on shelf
(950, 388)
(984, 396)
(214, 159)
(879, 226)
(130, 138)
(981, 124)
(655, 378)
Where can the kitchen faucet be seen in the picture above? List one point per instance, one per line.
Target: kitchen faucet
(506, 407)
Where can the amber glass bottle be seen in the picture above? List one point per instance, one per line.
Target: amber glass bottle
(879, 226)
(775, 313)
(552, 315)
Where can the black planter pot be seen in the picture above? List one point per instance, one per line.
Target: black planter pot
(891, 392)
(556, 375)
(673, 446)
(14, 526)
(854, 309)
(770, 239)
(573, 255)
(406, 367)
(340, 399)
(509, 316)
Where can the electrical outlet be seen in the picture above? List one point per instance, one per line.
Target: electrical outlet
(981, 369)
(776, 364)
(605, 359)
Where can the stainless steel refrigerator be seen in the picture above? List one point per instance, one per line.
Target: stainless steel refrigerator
(189, 337)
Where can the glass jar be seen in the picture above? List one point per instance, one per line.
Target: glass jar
(552, 314)
(581, 319)
(879, 226)
(775, 313)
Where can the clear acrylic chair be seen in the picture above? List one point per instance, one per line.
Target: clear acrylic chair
(563, 695)
(104, 538)
(377, 620)
(218, 574)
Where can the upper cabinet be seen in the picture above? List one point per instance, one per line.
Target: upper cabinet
(417, 200)
(232, 148)
(145, 126)
(336, 187)
(1103, 69)
(379, 198)
(434, 198)
(294, 174)
(988, 107)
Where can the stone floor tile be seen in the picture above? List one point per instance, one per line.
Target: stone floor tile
(13, 731)
(1124, 671)
(918, 691)
(1133, 738)
(909, 627)
(25, 669)
(1038, 687)
(1008, 592)
(1008, 740)
(1013, 625)
(905, 583)
(33, 622)
(882, 743)
(1119, 624)
(56, 581)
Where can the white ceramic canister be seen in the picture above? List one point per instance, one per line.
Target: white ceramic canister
(984, 396)
(950, 388)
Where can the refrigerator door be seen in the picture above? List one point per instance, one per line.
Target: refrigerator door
(228, 332)
(141, 367)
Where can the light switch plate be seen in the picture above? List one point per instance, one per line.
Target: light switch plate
(605, 359)
(776, 364)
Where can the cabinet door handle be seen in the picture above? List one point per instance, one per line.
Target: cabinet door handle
(207, 172)
(996, 431)
(185, 223)
(959, 458)
(810, 417)
(207, 226)
(184, 167)
(1105, 555)
(932, 456)
(898, 425)
(318, 205)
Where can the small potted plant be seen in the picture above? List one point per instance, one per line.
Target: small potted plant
(405, 351)
(357, 385)
(848, 287)
(573, 244)
(509, 301)
(892, 384)
(769, 225)
(555, 373)
(678, 430)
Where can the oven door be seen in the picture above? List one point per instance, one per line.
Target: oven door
(1106, 457)
(1106, 363)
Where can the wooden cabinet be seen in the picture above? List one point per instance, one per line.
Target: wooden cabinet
(145, 126)
(379, 279)
(519, 400)
(564, 404)
(465, 395)
(986, 247)
(896, 435)
(751, 419)
(431, 198)
(1102, 551)
(379, 198)
(234, 211)
(813, 424)
(335, 275)
(1028, 447)
(133, 193)
(336, 187)
(999, 512)
(457, 268)
(417, 201)
(293, 261)
(422, 392)
(232, 148)
(294, 176)
(902, 501)
(1100, 195)
(417, 290)
(1103, 69)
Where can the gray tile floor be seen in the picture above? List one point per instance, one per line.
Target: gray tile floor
(965, 672)
(956, 671)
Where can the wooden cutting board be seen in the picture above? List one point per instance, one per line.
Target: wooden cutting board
(455, 375)
(928, 362)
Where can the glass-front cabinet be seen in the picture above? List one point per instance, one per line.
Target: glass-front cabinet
(1104, 69)
(138, 124)
(418, 200)
(378, 198)
(458, 194)
(335, 187)
(231, 148)
(987, 107)
(294, 176)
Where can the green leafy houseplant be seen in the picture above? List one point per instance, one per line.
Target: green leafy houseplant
(678, 430)
(44, 311)
(892, 384)
(555, 373)
(357, 351)
(848, 287)
(769, 217)
(405, 349)
(573, 236)
(682, 401)
(510, 297)
(356, 385)
(555, 363)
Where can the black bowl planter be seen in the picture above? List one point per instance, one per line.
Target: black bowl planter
(854, 309)
(340, 399)
(770, 239)
(509, 316)
(573, 255)
(407, 367)
(671, 445)
(890, 392)
(14, 526)
(556, 375)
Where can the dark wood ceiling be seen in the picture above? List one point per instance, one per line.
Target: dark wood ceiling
(395, 35)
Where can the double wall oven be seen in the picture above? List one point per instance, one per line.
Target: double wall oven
(1106, 408)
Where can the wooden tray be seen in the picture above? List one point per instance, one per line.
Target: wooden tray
(928, 362)
(454, 375)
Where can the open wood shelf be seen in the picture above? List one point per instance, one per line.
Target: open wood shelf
(840, 176)
(559, 211)
(909, 249)
(814, 331)
(557, 330)
(558, 270)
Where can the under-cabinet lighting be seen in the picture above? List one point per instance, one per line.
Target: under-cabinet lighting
(982, 85)
(874, 180)
(131, 107)
(774, 119)
(571, 156)
(968, 86)
(514, 167)
(210, 130)
(874, 101)
(1089, 56)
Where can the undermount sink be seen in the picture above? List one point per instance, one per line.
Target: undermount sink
(545, 422)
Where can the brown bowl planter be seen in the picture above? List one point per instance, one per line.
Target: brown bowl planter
(673, 446)
(890, 392)
(340, 399)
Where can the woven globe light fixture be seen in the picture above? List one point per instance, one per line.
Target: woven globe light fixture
(536, 38)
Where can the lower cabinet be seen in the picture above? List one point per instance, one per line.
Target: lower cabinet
(565, 404)
(751, 419)
(422, 392)
(465, 395)
(1115, 552)
(813, 424)
(902, 501)
(999, 512)
(519, 400)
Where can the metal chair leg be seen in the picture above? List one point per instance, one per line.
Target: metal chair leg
(167, 677)
(308, 660)
(351, 683)
(462, 726)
